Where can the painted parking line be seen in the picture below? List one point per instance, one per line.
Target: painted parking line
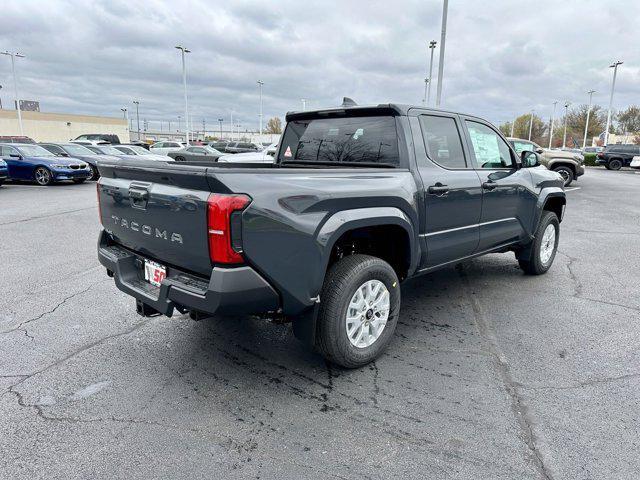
(572, 188)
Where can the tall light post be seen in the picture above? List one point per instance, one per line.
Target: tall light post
(260, 84)
(232, 132)
(428, 81)
(0, 98)
(179, 119)
(553, 117)
(513, 124)
(586, 125)
(15, 85)
(445, 7)
(124, 113)
(184, 50)
(530, 125)
(220, 120)
(566, 111)
(137, 104)
(613, 86)
(304, 104)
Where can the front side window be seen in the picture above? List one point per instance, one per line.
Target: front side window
(442, 141)
(34, 151)
(350, 140)
(54, 149)
(490, 150)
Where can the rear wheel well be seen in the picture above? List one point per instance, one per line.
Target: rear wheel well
(388, 242)
(555, 205)
(564, 164)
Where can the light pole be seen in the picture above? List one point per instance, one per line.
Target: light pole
(220, 122)
(204, 128)
(184, 50)
(124, 113)
(15, 84)
(530, 125)
(304, 104)
(613, 86)
(260, 84)
(445, 6)
(564, 138)
(179, 118)
(232, 135)
(586, 125)
(0, 99)
(428, 81)
(513, 124)
(137, 104)
(553, 117)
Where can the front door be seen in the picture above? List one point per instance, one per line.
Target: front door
(452, 191)
(507, 196)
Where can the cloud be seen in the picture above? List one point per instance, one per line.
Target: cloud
(502, 58)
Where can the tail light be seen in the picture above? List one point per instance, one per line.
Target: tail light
(224, 226)
(99, 209)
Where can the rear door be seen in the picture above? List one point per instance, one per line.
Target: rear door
(452, 191)
(507, 195)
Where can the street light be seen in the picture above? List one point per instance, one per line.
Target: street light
(137, 104)
(553, 117)
(586, 125)
(304, 104)
(564, 138)
(179, 118)
(427, 81)
(220, 120)
(530, 125)
(260, 84)
(513, 124)
(613, 86)
(184, 50)
(0, 99)
(445, 6)
(15, 84)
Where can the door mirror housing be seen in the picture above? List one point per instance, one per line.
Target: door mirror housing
(529, 159)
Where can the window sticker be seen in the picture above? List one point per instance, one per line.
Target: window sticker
(485, 146)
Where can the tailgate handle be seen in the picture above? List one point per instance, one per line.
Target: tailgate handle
(139, 195)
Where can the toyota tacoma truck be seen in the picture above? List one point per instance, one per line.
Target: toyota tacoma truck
(358, 200)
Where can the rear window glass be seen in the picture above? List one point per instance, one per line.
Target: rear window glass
(367, 140)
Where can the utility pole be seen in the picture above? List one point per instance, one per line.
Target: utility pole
(428, 81)
(530, 125)
(260, 84)
(445, 7)
(15, 85)
(553, 117)
(184, 50)
(613, 86)
(564, 138)
(586, 125)
(137, 104)
(220, 120)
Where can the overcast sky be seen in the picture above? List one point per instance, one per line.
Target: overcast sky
(502, 57)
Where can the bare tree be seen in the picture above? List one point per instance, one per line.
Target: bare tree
(274, 125)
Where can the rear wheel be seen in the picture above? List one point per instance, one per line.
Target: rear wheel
(179, 159)
(43, 176)
(360, 302)
(542, 251)
(615, 164)
(567, 174)
(95, 175)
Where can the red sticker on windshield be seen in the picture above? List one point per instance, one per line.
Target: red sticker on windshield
(287, 152)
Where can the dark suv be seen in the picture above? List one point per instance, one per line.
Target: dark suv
(614, 157)
(241, 147)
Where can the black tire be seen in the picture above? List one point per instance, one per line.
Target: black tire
(95, 174)
(79, 180)
(340, 285)
(567, 174)
(43, 176)
(1, 182)
(179, 159)
(530, 259)
(614, 164)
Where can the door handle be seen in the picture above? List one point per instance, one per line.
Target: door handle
(489, 185)
(438, 189)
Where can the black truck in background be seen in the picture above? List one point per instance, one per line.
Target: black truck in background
(358, 200)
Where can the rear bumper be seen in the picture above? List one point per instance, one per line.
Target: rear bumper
(233, 291)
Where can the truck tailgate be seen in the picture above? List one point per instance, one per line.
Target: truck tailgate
(158, 210)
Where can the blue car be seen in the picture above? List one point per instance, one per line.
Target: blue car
(33, 163)
(79, 152)
(4, 171)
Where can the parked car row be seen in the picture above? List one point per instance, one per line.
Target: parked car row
(614, 157)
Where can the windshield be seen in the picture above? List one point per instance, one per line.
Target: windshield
(77, 150)
(352, 140)
(34, 151)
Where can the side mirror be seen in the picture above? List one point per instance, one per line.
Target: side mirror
(529, 159)
(539, 151)
(16, 155)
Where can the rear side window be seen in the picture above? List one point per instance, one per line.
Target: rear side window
(350, 140)
(442, 141)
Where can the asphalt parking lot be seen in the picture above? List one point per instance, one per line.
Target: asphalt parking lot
(492, 374)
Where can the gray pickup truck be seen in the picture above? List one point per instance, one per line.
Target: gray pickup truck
(358, 200)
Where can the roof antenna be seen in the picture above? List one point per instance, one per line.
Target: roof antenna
(348, 102)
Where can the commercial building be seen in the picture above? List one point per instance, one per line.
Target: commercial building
(60, 127)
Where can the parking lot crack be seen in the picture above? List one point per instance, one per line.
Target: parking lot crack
(518, 405)
(29, 219)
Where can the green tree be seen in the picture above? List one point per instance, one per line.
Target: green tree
(629, 119)
(274, 125)
(521, 128)
(577, 119)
